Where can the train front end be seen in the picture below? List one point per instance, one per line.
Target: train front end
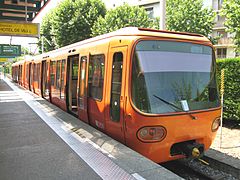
(174, 109)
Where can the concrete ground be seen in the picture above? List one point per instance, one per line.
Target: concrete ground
(40, 141)
(29, 149)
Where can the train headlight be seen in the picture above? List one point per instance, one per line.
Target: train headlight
(215, 125)
(152, 134)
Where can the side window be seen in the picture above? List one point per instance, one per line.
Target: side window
(27, 72)
(96, 76)
(62, 79)
(52, 72)
(20, 73)
(58, 75)
(82, 81)
(35, 72)
(38, 74)
(116, 86)
(75, 67)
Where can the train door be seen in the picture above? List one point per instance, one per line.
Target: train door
(45, 81)
(116, 94)
(72, 80)
(82, 90)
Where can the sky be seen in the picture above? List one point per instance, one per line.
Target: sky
(207, 3)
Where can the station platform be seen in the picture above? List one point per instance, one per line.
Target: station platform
(40, 141)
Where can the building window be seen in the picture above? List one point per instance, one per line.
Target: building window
(221, 53)
(150, 12)
(237, 54)
(96, 76)
(220, 2)
(222, 34)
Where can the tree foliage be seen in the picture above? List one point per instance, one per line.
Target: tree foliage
(189, 16)
(45, 33)
(123, 16)
(231, 10)
(70, 22)
(231, 84)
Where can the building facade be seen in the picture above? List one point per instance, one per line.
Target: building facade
(225, 47)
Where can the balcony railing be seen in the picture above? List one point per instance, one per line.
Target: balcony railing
(225, 40)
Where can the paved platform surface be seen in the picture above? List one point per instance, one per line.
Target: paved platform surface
(40, 141)
(29, 149)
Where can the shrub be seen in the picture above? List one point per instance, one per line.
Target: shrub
(232, 87)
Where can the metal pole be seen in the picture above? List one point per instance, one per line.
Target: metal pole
(26, 10)
(162, 14)
(42, 44)
(222, 92)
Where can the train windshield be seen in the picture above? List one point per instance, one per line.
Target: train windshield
(172, 76)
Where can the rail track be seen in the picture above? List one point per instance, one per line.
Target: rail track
(195, 169)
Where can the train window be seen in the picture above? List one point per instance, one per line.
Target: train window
(96, 76)
(27, 73)
(62, 79)
(52, 72)
(38, 75)
(82, 82)
(35, 72)
(58, 75)
(56, 92)
(116, 86)
(20, 73)
(75, 68)
(167, 74)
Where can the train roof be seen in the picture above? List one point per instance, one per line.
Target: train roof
(132, 31)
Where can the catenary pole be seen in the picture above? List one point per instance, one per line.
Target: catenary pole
(26, 10)
(162, 14)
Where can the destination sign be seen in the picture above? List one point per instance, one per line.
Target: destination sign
(9, 51)
(19, 29)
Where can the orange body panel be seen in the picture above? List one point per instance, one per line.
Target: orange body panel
(179, 128)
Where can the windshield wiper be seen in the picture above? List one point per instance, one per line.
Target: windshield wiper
(172, 105)
(166, 102)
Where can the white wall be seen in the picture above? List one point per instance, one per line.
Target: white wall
(230, 52)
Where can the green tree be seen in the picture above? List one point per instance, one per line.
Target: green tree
(189, 16)
(123, 16)
(231, 10)
(46, 33)
(72, 20)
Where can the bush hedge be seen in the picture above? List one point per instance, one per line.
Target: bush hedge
(231, 105)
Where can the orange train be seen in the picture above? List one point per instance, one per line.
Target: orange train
(154, 91)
